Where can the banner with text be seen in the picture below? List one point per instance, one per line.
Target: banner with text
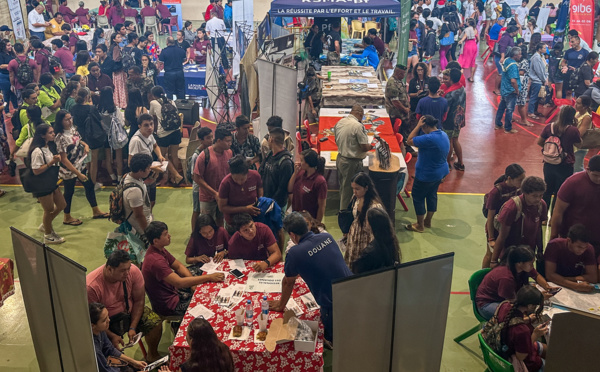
(16, 16)
(582, 19)
(403, 30)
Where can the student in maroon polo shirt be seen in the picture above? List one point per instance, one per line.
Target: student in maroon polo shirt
(578, 201)
(525, 229)
(307, 187)
(571, 262)
(505, 280)
(239, 190)
(168, 282)
(207, 240)
(253, 241)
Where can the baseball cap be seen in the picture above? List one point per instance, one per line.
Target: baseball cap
(501, 18)
(5, 28)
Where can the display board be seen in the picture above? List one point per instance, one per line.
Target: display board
(55, 298)
(342, 8)
(402, 322)
(573, 343)
(16, 16)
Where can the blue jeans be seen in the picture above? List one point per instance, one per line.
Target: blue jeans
(498, 65)
(534, 91)
(38, 34)
(579, 156)
(506, 104)
(487, 311)
(8, 94)
(425, 191)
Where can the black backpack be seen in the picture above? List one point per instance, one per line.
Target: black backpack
(127, 58)
(24, 72)
(94, 133)
(574, 78)
(506, 11)
(16, 123)
(453, 21)
(170, 116)
(52, 60)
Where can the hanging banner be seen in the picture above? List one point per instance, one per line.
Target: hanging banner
(403, 29)
(582, 19)
(16, 16)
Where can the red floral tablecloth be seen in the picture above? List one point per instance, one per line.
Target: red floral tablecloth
(385, 131)
(7, 279)
(247, 355)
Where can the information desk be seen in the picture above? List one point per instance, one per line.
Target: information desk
(343, 89)
(247, 355)
(195, 76)
(87, 38)
(7, 279)
(328, 118)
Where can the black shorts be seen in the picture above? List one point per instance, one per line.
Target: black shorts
(172, 139)
(165, 21)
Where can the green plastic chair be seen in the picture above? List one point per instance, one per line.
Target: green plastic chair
(474, 282)
(493, 361)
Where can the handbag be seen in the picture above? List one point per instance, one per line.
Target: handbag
(346, 217)
(590, 139)
(24, 149)
(542, 93)
(119, 323)
(125, 239)
(43, 183)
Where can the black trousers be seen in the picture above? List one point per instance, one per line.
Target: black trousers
(554, 176)
(174, 84)
(70, 190)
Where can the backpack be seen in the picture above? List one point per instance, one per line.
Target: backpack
(487, 196)
(506, 11)
(24, 72)
(453, 21)
(170, 116)
(191, 166)
(16, 123)
(488, 10)
(115, 202)
(552, 151)
(127, 58)
(392, 24)
(494, 330)
(93, 132)
(519, 214)
(574, 78)
(52, 60)
(117, 136)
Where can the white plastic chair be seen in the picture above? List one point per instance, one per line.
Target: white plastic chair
(150, 23)
(102, 21)
(135, 22)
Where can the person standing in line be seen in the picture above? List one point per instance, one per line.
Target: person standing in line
(353, 144)
(277, 169)
(538, 76)
(107, 108)
(505, 43)
(573, 58)
(173, 58)
(119, 75)
(431, 169)
(524, 91)
(7, 54)
(510, 88)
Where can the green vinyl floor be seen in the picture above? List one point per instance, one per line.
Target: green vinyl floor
(457, 227)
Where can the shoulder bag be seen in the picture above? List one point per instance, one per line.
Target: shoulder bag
(41, 183)
(24, 149)
(346, 217)
(119, 323)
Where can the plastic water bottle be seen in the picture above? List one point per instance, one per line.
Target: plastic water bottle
(264, 306)
(249, 313)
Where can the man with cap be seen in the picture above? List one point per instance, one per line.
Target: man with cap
(397, 101)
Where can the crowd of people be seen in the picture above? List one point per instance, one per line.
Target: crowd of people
(74, 108)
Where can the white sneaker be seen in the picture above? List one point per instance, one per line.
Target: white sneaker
(53, 238)
(98, 186)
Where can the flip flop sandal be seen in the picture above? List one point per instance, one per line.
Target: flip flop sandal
(100, 216)
(73, 223)
(410, 227)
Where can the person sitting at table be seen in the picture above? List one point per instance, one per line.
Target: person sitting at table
(83, 14)
(521, 339)
(106, 285)
(370, 53)
(239, 190)
(68, 14)
(307, 187)
(377, 42)
(571, 262)
(128, 10)
(201, 45)
(318, 260)
(207, 240)
(503, 281)
(55, 28)
(253, 241)
(168, 282)
(105, 351)
(207, 352)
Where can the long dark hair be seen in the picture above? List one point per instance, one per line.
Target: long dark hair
(38, 140)
(314, 160)
(66, 93)
(386, 242)
(513, 171)
(107, 101)
(117, 5)
(3, 47)
(371, 196)
(207, 352)
(99, 31)
(566, 117)
(514, 255)
(82, 59)
(159, 93)
(34, 113)
(58, 122)
(527, 295)
(445, 29)
(201, 221)
(313, 224)
(134, 100)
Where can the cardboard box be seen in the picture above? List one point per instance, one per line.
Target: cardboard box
(308, 346)
(280, 332)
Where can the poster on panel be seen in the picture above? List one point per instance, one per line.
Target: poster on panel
(243, 14)
(16, 17)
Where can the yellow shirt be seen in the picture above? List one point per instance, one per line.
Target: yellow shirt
(83, 70)
(54, 28)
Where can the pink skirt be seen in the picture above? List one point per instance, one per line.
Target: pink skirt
(120, 93)
(467, 58)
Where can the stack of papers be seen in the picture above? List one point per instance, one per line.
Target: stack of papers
(237, 264)
(211, 267)
(162, 166)
(231, 296)
(201, 311)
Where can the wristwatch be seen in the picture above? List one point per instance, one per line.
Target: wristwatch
(268, 263)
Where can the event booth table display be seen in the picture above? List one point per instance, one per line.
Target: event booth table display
(195, 77)
(585, 303)
(85, 36)
(350, 85)
(249, 354)
(7, 279)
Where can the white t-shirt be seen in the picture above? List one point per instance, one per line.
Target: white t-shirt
(521, 13)
(215, 27)
(35, 17)
(133, 197)
(155, 109)
(141, 145)
(469, 9)
(526, 34)
(436, 22)
(38, 156)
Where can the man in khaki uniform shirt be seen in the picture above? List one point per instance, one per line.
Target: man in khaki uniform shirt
(353, 143)
(397, 102)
